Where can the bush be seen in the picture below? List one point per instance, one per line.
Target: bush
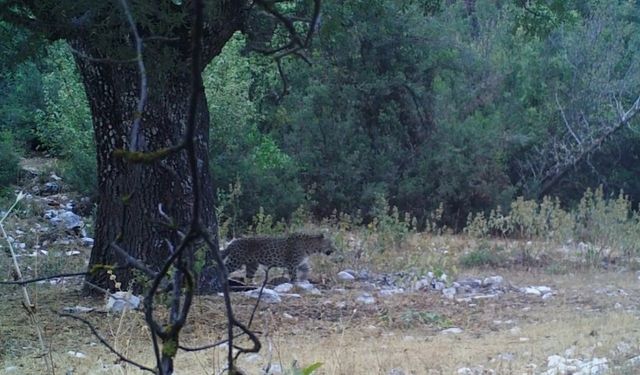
(64, 125)
(9, 159)
(484, 255)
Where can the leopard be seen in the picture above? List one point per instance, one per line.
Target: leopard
(291, 252)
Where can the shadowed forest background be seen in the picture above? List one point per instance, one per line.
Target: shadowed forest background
(433, 107)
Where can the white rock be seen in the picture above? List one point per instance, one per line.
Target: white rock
(87, 241)
(484, 296)
(596, 366)
(396, 371)
(287, 316)
(449, 292)
(345, 276)
(119, 301)
(543, 289)
(78, 309)
(555, 361)
(422, 284)
(451, 331)
(76, 354)
(634, 362)
(10, 369)
(531, 290)
(439, 285)
(390, 292)
(493, 281)
(268, 295)
(307, 287)
(464, 371)
(290, 295)
(547, 296)
(366, 298)
(72, 252)
(284, 288)
(71, 220)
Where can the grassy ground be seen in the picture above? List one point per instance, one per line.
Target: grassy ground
(594, 313)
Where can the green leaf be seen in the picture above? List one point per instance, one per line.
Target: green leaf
(311, 368)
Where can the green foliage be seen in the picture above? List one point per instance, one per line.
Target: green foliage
(388, 227)
(241, 155)
(264, 224)
(8, 160)
(64, 125)
(541, 17)
(436, 106)
(602, 226)
(483, 255)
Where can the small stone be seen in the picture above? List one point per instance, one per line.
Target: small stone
(624, 347)
(267, 295)
(449, 292)
(78, 309)
(422, 284)
(366, 298)
(547, 296)
(507, 357)
(119, 301)
(76, 354)
(11, 369)
(70, 220)
(51, 188)
(396, 371)
(287, 316)
(493, 281)
(72, 252)
(464, 371)
(390, 292)
(304, 285)
(543, 289)
(484, 296)
(345, 276)
(451, 331)
(633, 362)
(87, 241)
(284, 288)
(532, 291)
(438, 285)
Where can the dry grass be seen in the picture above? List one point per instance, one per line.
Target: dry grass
(355, 339)
(592, 313)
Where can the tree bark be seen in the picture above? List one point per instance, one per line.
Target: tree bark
(132, 197)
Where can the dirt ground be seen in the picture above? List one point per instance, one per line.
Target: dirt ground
(592, 314)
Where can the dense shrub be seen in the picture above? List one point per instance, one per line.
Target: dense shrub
(9, 160)
(64, 125)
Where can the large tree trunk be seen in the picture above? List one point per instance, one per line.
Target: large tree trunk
(133, 196)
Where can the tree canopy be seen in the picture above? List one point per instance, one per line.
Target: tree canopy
(464, 104)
